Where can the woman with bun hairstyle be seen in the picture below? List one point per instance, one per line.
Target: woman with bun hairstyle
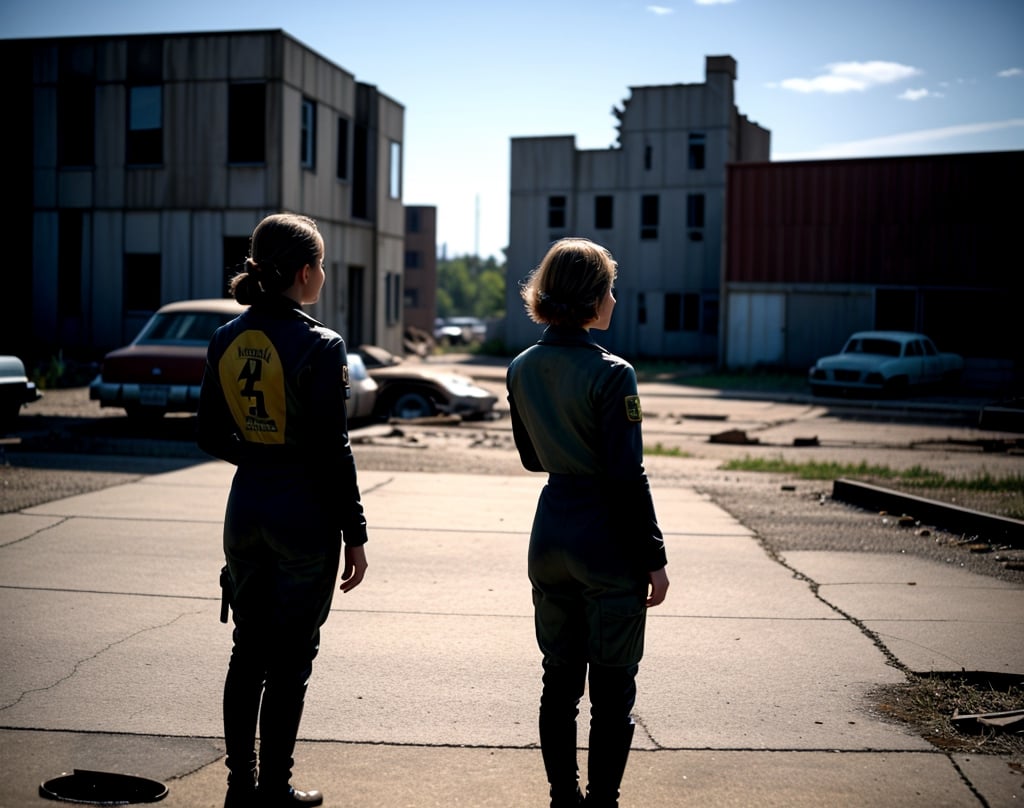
(273, 404)
(596, 558)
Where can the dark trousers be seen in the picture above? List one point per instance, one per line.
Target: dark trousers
(612, 696)
(590, 615)
(283, 565)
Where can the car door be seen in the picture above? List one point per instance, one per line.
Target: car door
(932, 364)
(913, 361)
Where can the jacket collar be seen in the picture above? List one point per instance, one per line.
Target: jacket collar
(561, 335)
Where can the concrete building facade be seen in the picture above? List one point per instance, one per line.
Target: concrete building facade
(145, 162)
(656, 200)
(420, 268)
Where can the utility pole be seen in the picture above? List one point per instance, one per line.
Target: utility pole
(476, 229)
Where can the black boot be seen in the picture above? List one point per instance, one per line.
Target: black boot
(606, 763)
(279, 726)
(243, 688)
(241, 789)
(559, 706)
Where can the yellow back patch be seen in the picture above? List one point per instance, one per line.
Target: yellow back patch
(253, 382)
(634, 412)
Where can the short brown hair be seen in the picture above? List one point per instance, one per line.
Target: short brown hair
(569, 284)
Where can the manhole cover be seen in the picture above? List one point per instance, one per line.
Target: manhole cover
(102, 788)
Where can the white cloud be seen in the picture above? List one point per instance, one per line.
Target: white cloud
(713, 2)
(901, 143)
(1010, 73)
(845, 77)
(917, 95)
(659, 10)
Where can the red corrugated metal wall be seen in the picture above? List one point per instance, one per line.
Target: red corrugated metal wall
(931, 220)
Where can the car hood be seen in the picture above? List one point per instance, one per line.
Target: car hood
(854, 361)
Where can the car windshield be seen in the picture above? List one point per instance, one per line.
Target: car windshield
(879, 347)
(182, 327)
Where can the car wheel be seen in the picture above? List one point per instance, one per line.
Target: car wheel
(411, 404)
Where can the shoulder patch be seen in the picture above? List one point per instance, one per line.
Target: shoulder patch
(634, 412)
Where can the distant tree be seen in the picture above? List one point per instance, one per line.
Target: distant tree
(469, 286)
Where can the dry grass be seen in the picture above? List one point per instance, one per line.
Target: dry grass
(927, 704)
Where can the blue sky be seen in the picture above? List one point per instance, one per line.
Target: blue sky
(829, 79)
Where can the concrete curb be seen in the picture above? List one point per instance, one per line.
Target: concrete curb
(948, 517)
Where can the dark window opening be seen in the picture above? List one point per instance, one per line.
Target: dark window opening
(412, 259)
(412, 298)
(696, 155)
(648, 157)
(673, 311)
(361, 173)
(556, 212)
(691, 312)
(343, 128)
(76, 123)
(145, 140)
(709, 321)
(649, 217)
(641, 309)
(695, 210)
(393, 297)
(141, 282)
(412, 220)
(76, 107)
(247, 129)
(603, 212)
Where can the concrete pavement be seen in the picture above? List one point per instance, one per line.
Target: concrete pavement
(753, 690)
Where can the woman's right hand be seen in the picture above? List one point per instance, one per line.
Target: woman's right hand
(355, 567)
(658, 581)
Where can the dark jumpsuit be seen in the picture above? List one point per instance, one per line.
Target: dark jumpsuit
(576, 415)
(273, 403)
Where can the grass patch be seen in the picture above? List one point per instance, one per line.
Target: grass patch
(915, 476)
(661, 450)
